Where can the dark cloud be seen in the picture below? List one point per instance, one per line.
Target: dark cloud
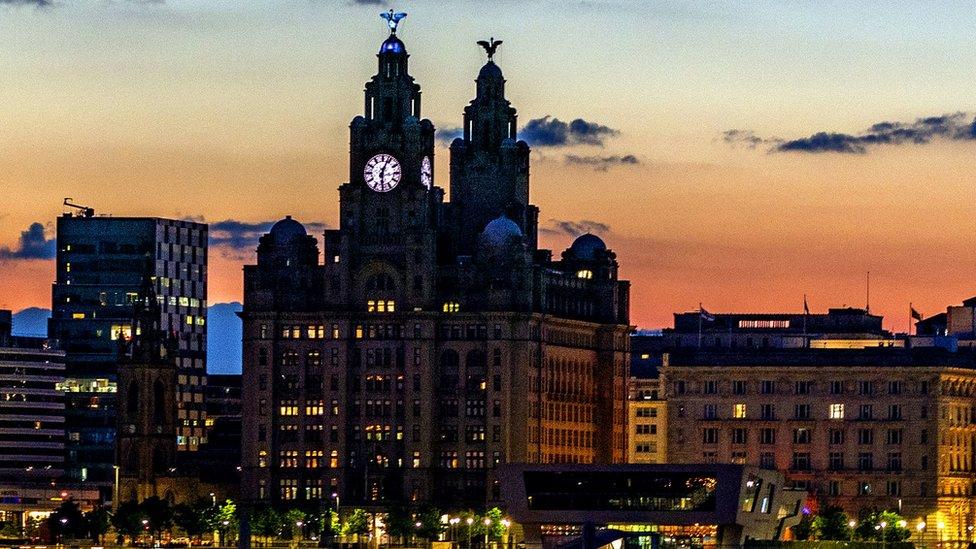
(742, 137)
(448, 135)
(602, 163)
(244, 236)
(553, 132)
(558, 227)
(32, 245)
(38, 3)
(958, 126)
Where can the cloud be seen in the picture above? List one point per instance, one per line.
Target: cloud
(448, 135)
(747, 138)
(33, 244)
(38, 3)
(243, 236)
(559, 227)
(958, 126)
(369, 2)
(553, 132)
(602, 163)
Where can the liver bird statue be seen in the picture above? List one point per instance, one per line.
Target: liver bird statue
(490, 46)
(393, 19)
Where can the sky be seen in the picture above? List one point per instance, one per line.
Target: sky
(734, 154)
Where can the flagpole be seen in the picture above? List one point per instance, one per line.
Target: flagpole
(701, 312)
(910, 309)
(806, 310)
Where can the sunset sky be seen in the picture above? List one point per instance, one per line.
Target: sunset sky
(230, 110)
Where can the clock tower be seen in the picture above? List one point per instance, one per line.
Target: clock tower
(388, 208)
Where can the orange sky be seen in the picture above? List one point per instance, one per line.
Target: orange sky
(232, 112)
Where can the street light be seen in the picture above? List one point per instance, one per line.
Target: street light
(487, 527)
(851, 524)
(469, 521)
(64, 522)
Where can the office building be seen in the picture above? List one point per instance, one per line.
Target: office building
(102, 265)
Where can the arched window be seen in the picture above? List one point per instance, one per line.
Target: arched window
(132, 406)
(159, 403)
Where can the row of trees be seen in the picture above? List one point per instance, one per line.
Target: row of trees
(833, 524)
(154, 517)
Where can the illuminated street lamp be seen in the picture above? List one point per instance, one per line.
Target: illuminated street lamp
(64, 522)
(487, 527)
(469, 521)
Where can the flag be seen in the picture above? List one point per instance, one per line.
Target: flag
(705, 315)
(806, 308)
(915, 314)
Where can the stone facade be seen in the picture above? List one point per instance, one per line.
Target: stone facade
(434, 340)
(885, 429)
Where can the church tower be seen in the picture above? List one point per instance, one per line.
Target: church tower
(383, 254)
(147, 405)
(489, 167)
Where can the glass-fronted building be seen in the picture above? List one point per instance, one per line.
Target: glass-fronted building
(103, 265)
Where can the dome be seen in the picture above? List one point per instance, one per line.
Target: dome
(392, 45)
(490, 70)
(287, 230)
(586, 246)
(500, 231)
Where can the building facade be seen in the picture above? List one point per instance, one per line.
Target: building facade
(434, 340)
(839, 328)
(647, 421)
(881, 429)
(102, 265)
(32, 436)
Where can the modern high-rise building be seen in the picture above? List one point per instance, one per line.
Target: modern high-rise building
(31, 429)
(862, 429)
(103, 264)
(435, 340)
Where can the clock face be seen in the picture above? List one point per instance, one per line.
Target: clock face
(382, 173)
(426, 173)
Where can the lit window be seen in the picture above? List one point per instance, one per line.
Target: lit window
(67, 267)
(585, 274)
(78, 316)
(451, 307)
(739, 411)
(836, 411)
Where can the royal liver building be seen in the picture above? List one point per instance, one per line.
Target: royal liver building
(424, 342)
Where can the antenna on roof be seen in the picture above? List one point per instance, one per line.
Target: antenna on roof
(867, 305)
(85, 210)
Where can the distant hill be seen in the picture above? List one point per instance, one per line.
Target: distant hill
(31, 322)
(223, 334)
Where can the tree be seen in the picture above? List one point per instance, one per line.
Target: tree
(832, 525)
(495, 529)
(399, 523)
(97, 521)
(225, 519)
(127, 519)
(883, 526)
(194, 519)
(803, 529)
(266, 522)
(67, 521)
(356, 523)
(430, 523)
(158, 513)
(294, 523)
